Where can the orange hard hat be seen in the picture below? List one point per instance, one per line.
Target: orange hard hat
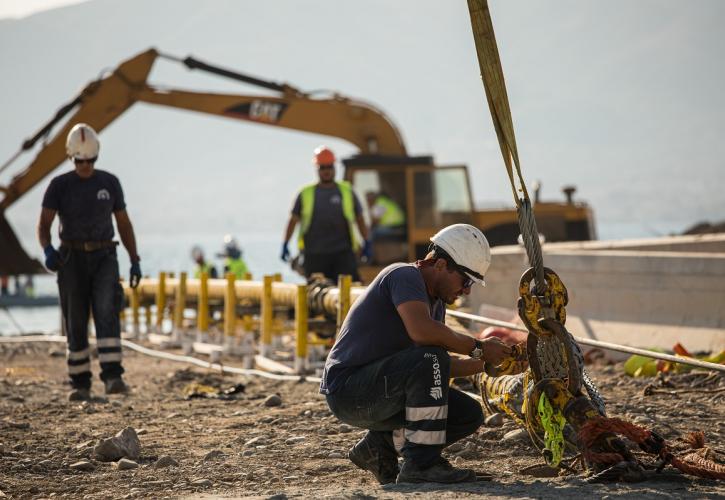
(323, 156)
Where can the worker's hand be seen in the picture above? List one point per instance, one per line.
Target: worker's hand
(52, 258)
(285, 252)
(495, 351)
(367, 250)
(135, 274)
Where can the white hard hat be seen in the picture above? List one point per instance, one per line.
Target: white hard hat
(231, 247)
(82, 142)
(468, 248)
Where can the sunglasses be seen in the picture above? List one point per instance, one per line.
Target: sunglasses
(467, 280)
(79, 161)
(326, 167)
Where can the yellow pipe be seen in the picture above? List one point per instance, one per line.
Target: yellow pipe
(160, 302)
(301, 329)
(267, 313)
(230, 307)
(147, 319)
(344, 283)
(252, 291)
(180, 302)
(134, 310)
(202, 311)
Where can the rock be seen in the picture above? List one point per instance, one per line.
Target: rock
(141, 432)
(294, 440)
(83, 465)
(515, 435)
(344, 428)
(335, 454)
(125, 444)
(165, 461)
(201, 483)
(84, 445)
(495, 420)
(273, 400)
(213, 455)
(247, 453)
(126, 464)
(2, 495)
(255, 441)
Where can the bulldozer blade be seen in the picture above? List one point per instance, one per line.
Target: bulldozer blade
(13, 258)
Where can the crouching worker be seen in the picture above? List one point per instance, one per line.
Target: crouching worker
(390, 367)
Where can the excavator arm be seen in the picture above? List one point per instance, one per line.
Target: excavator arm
(104, 100)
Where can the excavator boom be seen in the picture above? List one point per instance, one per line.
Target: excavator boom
(104, 100)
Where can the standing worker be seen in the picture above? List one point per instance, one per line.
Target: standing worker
(390, 366)
(86, 263)
(233, 262)
(327, 212)
(202, 266)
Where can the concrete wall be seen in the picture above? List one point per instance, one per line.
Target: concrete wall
(641, 298)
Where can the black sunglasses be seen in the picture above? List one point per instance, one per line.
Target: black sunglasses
(326, 167)
(467, 280)
(80, 161)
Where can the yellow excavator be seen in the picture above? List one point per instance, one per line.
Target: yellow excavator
(431, 196)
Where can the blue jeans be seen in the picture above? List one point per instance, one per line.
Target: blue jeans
(89, 281)
(409, 390)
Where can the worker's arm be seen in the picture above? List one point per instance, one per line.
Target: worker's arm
(293, 220)
(461, 367)
(44, 224)
(362, 227)
(125, 230)
(424, 330)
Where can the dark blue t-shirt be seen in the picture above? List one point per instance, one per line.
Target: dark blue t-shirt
(85, 206)
(373, 329)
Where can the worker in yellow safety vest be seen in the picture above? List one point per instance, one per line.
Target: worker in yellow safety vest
(386, 216)
(327, 212)
(202, 266)
(233, 262)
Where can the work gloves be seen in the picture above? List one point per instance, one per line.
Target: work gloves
(52, 258)
(135, 274)
(285, 252)
(367, 250)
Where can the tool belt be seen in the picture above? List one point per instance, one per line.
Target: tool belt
(88, 246)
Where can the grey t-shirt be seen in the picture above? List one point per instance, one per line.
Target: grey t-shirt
(373, 328)
(328, 231)
(85, 206)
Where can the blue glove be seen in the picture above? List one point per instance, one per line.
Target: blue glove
(135, 274)
(285, 252)
(367, 250)
(52, 258)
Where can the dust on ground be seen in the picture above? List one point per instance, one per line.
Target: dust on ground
(241, 448)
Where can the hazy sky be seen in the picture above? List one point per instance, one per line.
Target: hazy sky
(21, 8)
(622, 98)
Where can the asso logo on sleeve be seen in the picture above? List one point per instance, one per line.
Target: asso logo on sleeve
(436, 392)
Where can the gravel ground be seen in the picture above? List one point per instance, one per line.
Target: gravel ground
(277, 439)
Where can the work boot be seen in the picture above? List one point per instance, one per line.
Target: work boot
(372, 453)
(80, 394)
(116, 386)
(440, 472)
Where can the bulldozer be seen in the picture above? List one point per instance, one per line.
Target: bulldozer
(431, 196)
